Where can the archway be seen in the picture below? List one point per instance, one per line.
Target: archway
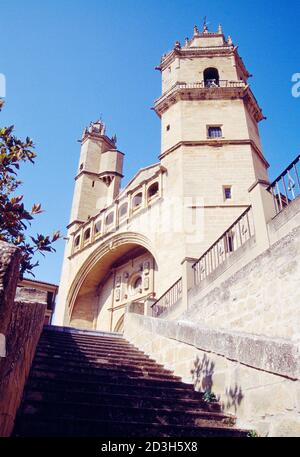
(120, 325)
(121, 270)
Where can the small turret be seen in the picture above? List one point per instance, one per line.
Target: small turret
(99, 173)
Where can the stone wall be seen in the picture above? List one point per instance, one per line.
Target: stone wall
(21, 322)
(256, 378)
(261, 298)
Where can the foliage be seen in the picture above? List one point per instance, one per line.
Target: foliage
(252, 434)
(209, 397)
(14, 217)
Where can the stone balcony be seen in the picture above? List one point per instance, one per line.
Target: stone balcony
(208, 90)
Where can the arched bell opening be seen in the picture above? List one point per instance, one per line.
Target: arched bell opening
(211, 77)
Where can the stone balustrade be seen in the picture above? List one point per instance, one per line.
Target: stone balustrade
(118, 213)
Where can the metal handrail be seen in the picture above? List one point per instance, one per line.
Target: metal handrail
(285, 192)
(168, 299)
(232, 239)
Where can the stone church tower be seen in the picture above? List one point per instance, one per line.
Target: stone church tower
(129, 245)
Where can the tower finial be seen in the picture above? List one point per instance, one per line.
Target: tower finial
(196, 31)
(229, 41)
(220, 31)
(205, 25)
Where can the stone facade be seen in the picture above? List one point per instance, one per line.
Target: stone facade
(261, 298)
(210, 155)
(239, 336)
(205, 221)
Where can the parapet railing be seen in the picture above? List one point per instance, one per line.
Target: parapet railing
(286, 186)
(208, 84)
(231, 240)
(168, 299)
(211, 84)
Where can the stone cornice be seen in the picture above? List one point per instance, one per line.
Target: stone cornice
(187, 53)
(113, 150)
(196, 52)
(258, 182)
(216, 143)
(97, 175)
(274, 355)
(196, 91)
(241, 64)
(98, 137)
(161, 170)
(77, 221)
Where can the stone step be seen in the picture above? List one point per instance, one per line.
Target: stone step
(103, 363)
(98, 411)
(94, 354)
(104, 369)
(36, 426)
(54, 329)
(87, 347)
(53, 393)
(99, 344)
(69, 375)
(88, 384)
(83, 338)
(90, 355)
(44, 383)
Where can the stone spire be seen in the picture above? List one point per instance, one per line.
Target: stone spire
(220, 31)
(196, 31)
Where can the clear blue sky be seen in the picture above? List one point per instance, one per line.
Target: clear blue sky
(67, 62)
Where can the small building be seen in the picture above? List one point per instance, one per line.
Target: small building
(43, 292)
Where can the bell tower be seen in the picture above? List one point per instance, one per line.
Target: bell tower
(210, 141)
(99, 173)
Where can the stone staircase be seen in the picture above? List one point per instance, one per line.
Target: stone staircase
(97, 384)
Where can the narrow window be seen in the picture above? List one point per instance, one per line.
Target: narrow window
(227, 192)
(168, 127)
(77, 241)
(123, 210)
(214, 132)
(153, 190)
(98, 226)
(137, 200)
(50, 300)
(109, 218)
(81, 166)
(137, 285)
(93, 184)
(87, 234)
(229, 242)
